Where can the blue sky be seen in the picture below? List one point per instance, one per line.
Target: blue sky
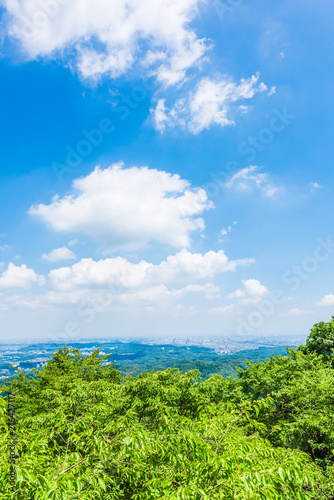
(166, 169)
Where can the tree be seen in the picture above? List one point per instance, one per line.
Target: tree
(302, 389)
(165, 434)
(321, 340)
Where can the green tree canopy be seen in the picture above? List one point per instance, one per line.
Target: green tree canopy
(321, 340)
(86, 432)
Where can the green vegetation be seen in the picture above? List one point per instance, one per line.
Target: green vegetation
(133, 358)
(87, 432)
(196, 358)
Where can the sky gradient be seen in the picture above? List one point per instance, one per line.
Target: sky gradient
(166, 168)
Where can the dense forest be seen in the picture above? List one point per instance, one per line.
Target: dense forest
(133, 358)
(85, 431)
(196, 358)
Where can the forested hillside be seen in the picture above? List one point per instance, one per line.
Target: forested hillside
(133, 358)
(86, 432)
(203, 359)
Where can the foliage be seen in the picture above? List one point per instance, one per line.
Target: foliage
(321, 340)
(133, 358)
(302, 387)
(208, 364)
(302, 413)
(87, 432)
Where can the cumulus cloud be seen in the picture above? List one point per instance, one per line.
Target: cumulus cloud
(326, 301)
(19, 277)
(110, 37)
(125, 283)
(120, 274)
(118, 283)
(252, 292)
(117, 272)
(249, 178)
(188, 266)
(210, 104)
(59, 254)
(128, 208)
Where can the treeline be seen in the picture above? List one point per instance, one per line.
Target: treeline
(146, 358)
(86, 432)
(209, 364)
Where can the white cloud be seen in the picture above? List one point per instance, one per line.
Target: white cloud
(128, 208)
(244, 109)
(73, 242)
(298, 312)
(209, 105)
(101, 300)
(252, 292)
(225, 232)
(117, 272)
(110, 37)
(19, 277)
(326, 301)
(58, 254)
(315, 186)
(187, 266)
(120, 274)
(211, 291)
(248, 178)
(117, 284)
(162, 296)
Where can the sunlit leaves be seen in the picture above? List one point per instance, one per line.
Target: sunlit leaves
(85, 433)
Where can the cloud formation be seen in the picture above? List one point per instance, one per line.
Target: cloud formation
(19, 277)
(110, 37)
(252, 292)
(118, 273)
(128, 208)
(249, 178)
(224, 232)
(326, 301)
(59, 254)
(298, 312)
(119, 283)
(210, 104)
